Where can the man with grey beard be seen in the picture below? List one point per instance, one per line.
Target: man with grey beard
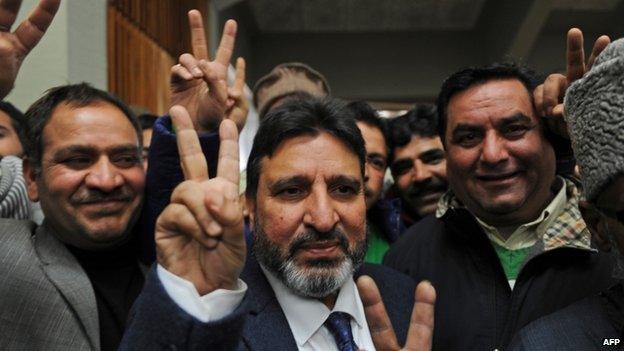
(297, 288)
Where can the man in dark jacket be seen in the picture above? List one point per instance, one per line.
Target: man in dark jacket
(507, 244)
(304, 194)
(306, 203)
(594, 111)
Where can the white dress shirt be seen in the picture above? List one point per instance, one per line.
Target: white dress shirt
(305, 316)
(207, 308)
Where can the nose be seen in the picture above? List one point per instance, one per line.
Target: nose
(421, 173)
(320, 211)
(493, 151)
(103, 176)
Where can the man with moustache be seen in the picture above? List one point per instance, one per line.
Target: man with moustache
(418, 164)
(594, 112)
(296, 289)
(383, 215)
(69, 283)
(507, 244)
(309, 235)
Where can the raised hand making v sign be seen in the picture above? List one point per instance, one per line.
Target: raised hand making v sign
(549, 95)
(199, 236)
(15, 46)
(200, 85)
(420, 332)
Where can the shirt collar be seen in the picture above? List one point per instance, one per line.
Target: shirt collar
(307, 315)
(567, 229)
(526, 235)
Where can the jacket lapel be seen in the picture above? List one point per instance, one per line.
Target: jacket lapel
(266, 327)
(69, 278)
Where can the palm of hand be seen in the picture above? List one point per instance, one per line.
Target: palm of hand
(208, 268)
(199, 235)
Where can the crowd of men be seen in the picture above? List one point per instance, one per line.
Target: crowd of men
(503, 227)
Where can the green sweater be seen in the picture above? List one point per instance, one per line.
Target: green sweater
(377, 245)
(511, 260)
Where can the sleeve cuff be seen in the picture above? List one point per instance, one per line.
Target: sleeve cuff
(211, 307)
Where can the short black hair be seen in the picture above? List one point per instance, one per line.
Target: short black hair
(366, 113)
(297, 118)
(76, 95)
(147, 120)
(469, 77)
(421, 121)
(17, 118)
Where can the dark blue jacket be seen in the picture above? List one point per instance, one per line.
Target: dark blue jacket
(386, 215)
(594, 323)
(156, 323)
(163, 175)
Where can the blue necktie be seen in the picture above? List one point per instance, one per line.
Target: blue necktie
(339, 324)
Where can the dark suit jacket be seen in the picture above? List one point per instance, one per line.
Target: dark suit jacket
(594, 323)
(258, 323)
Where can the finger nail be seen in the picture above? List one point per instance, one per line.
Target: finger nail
(197, 71)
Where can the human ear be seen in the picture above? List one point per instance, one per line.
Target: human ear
(30, 176)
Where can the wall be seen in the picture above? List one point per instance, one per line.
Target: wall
(73, 50)
(372, 66)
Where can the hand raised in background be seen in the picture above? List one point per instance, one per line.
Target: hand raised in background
(200, 85)
(14, 46)
(420, 332)
(549, 95)
(199, 235)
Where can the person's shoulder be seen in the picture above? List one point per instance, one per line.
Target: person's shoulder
(581, 325)
(15, 234)
(416, 239)
(17, 251)
(420, 231)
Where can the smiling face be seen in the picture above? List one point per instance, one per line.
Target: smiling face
(419, 171)
(499, 164)
(309, 214)
(91, 181)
